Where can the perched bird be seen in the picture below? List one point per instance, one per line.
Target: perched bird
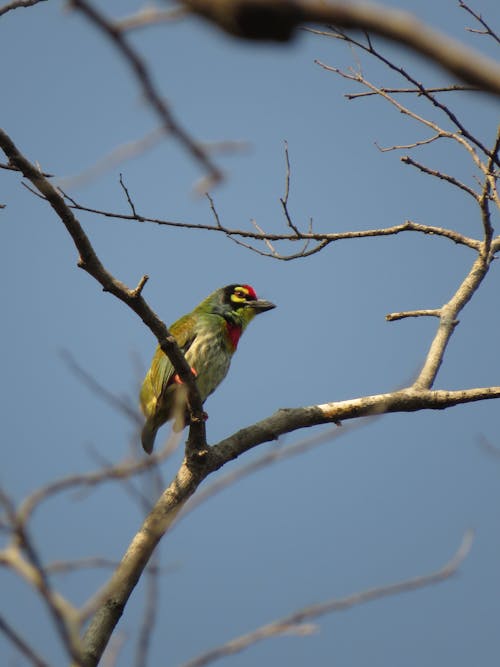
(208, 337)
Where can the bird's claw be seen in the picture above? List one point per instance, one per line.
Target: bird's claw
(177, 380)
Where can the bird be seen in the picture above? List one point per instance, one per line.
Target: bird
(208, 336)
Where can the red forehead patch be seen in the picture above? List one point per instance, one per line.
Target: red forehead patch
(251, 291)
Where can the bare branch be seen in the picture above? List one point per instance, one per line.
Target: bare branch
(107, 606)
(406, 159)
(415, 144)
(287, 420)
(392, 317)
(424, 91)
(323, 238)
(487, 29)
(150, 16)
(449, 316)
(16, 4)
(296, 620)
(129, 199)
(414, 91)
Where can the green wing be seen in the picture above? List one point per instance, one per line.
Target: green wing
(161, 370)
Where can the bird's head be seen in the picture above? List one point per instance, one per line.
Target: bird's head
(238, 304)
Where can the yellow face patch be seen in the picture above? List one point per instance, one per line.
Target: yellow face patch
(240, 295)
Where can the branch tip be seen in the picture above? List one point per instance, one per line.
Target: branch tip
(135, 293)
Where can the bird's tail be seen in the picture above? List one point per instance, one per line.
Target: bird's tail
(148, 435)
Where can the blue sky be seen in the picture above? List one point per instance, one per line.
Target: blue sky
(385, 502)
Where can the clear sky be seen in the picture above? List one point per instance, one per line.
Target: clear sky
(389, 501)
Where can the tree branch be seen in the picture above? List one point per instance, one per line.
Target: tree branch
(16, 4)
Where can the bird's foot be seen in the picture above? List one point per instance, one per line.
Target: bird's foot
(176, 379)
(204, 417)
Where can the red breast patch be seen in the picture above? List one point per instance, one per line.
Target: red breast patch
(234, 333)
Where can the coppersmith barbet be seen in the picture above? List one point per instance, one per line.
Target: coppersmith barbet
(208, 337)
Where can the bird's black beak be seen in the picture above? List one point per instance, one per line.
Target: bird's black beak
(261, 305)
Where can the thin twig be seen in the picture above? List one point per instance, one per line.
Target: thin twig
(463, 133)
(487, 29)
(392, 317)
(413, 91)
(406, 159)
(415, 144)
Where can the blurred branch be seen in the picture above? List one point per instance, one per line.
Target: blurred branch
(120, 471)
(120, 403)
(293, 623)
(21, 556)
(118, 155)
(274, 455)
(150, 16)
(278, 20)
(21, 645)
(141, 72)
(150, 614)
(63, 567)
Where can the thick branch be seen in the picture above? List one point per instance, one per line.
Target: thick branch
(287, 420)
(109, 604)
